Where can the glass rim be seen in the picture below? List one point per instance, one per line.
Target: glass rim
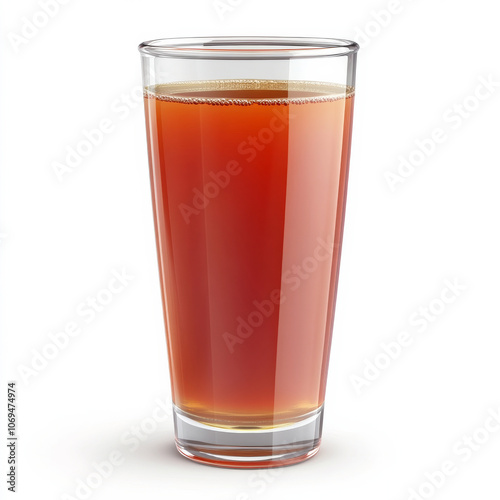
(248, 47)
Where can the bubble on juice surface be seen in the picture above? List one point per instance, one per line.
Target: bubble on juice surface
(239, 92)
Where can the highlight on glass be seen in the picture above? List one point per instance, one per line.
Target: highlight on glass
(249, 142)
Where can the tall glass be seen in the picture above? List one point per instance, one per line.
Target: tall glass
(248, 143)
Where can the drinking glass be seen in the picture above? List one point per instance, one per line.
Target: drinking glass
(249, 142)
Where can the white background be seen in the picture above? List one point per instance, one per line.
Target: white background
(60, 242)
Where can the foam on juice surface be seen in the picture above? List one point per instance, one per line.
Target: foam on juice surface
(248, 92)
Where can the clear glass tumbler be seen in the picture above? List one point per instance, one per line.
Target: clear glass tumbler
(249, 142)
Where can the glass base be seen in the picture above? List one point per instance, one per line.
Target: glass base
(251, 448)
